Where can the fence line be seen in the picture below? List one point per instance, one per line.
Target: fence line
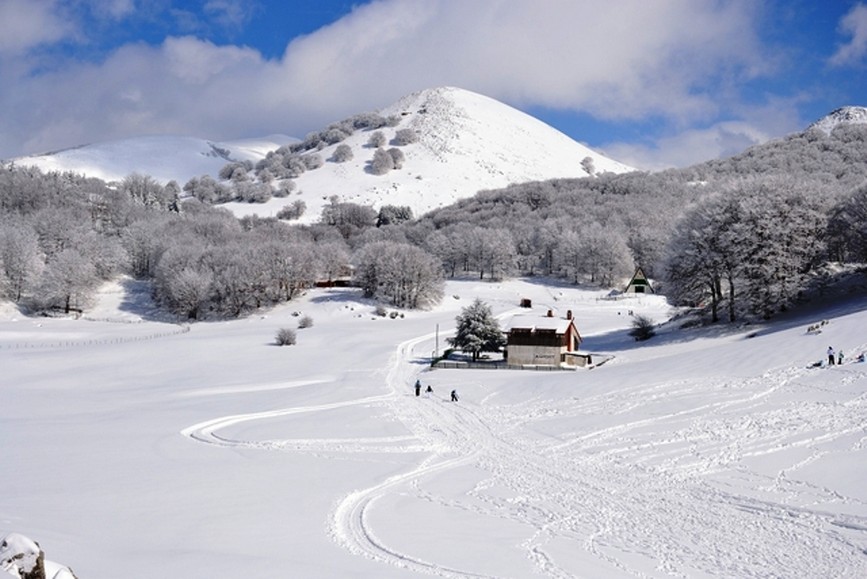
(444, 364)
(96, 342)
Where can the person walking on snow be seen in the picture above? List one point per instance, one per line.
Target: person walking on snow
(454, 395)
(417, 387)
(840, 358)
(830, 356)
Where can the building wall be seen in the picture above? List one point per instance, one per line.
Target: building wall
(534, 355)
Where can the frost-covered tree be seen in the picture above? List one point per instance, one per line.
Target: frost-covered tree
(847, 228)
(289, 268)
(491, 251)
(402, 274)
(753, 248)
(701, 258)
(332, 258)
(285, 188)
(68, 282)
(144, 189)
(588, 165)
(397, 157)
(377, 140)
(393, 214)
(348, 218)
(382, 162)
(20, 259)
(187, 291)
(207, 190)
(342, 153)
(477, 330)
(312, 161)
(598, 252)
(405, 137)
(292, 211)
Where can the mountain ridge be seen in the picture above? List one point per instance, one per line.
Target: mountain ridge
(466, 142)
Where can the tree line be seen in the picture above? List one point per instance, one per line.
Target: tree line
(737, 238)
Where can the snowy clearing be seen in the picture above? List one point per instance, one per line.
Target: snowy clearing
(206, 450)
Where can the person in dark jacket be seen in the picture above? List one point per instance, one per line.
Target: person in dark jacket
(830, 356)
(418, 387)
(454, 395)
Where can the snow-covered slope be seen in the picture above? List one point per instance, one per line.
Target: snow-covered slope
(163, 157)
(841, 116)
(700, 453)
(466, 142)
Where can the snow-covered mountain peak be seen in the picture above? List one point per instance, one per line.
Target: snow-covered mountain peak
(841, 116)
(464, 143)
(438, 114)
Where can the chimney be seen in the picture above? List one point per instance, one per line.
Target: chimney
(568, 314)
(550, 313)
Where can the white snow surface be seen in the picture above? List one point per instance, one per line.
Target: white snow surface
(841, 116)
(136, 447)
(163, 157)
(467, 142)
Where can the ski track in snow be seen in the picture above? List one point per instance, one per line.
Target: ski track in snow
(667, 492)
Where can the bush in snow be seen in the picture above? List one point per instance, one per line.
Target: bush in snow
(305, 322)
(286, 337)
(405, 137)
(642, 328)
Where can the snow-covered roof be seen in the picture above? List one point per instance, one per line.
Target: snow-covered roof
(535, 322)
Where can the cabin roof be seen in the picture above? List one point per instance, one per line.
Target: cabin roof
(533, 323)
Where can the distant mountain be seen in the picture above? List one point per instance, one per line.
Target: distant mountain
(466, 142)
(841, 116)
(164, 158)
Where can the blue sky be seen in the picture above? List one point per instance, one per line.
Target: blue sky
(652, 84)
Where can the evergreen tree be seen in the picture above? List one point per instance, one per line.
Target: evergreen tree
(478, 330)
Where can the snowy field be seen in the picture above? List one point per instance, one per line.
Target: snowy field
(137, 448)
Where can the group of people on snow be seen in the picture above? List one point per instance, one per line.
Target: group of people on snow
(836, 358)
(428, 391)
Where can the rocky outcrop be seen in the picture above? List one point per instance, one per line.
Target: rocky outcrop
(22, 558)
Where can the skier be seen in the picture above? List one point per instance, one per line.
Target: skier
(417, 387)
(840, 358)
(428, 391)
(830, 356)
(454, 395)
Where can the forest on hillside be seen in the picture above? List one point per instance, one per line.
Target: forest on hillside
(737, 238)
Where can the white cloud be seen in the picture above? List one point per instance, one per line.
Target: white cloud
(229, 13)
(112, 9)
(616, 60)
(26, 24)
(853, 24)
(689, 147)
(671, 59)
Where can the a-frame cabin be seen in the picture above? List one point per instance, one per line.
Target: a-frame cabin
(639, 284)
